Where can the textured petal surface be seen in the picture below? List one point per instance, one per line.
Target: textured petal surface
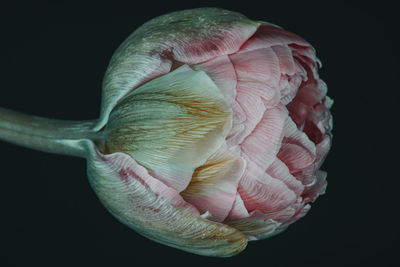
(285, 57)
(236, 128)
(259, 191)
(263, 144)
(221, 71)
(253, 109)
(297, 151)
(280, 171)
(269, 35)
(285, 140)
(155, 210)
(214, 184)
(318, 188)
(255, 228)
(171, 125)
(188, 36)
(238, 210)
(261, 65)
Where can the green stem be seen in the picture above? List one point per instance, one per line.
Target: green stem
(49, 135)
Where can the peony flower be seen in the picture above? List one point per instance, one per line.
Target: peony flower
(212, 131)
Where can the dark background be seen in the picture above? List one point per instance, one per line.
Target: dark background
(53, 57)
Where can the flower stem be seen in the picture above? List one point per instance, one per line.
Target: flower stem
(48, 135)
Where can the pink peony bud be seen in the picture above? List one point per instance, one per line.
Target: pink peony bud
(212, 131)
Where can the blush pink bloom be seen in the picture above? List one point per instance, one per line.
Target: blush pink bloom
(248, 154)
(212, 132)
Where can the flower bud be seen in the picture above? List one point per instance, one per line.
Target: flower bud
(212, 131)
(218, 116)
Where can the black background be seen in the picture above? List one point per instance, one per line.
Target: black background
(53, 57)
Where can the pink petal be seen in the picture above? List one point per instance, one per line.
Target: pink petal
(306, 175)
(295, 156)
(259, 65)
(298, 112)
(261, 192)
(269, 95)
(221, 71)
(294, 136)
(269, 35)
(237, 133)
(290, 84)
(280, 171)
(211, 42)
(312, 91)
(253, 108)
(297, 151)
(318, 123)
(322, 118)
(301, 212)
(307, 55)
(238, 210)
(263, 144)
(289, 87)
(214, 185)
(318, 188)
(285, 57)
(278, 216)
(322, 150)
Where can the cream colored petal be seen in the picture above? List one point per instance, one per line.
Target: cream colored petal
(171, 125)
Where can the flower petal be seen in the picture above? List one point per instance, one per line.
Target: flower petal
(297, 151)
(261, 192)
(155, 210)
(318, 188)
(308, 176)
(281, 215)
(285, 57)
(298, 112)
(253, 108)
(290, 84)
(214, 184)
(280, 171)
(238, 210)
(171, 125)
(188, 36)
(322, 150)
(255, 228)
(289, 87)
(312, 91)
(221, 71)
(268, 35)
(301, 210)
(263, 144)
(261, 65)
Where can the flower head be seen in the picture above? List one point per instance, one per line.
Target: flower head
(212, 131)
(215, 130)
